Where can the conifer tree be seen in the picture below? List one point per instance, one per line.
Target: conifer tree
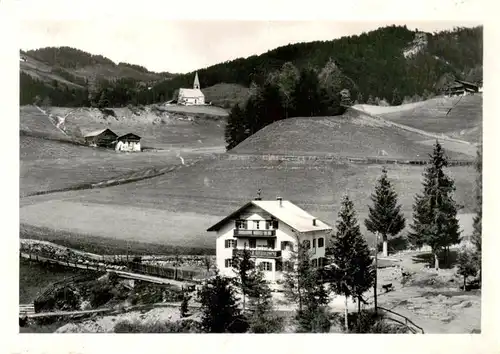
(245, 280)
(234, 132)
(467, 265)
(385, 216)
(307, 96)
(302, 281)
(396, 98)
(350, 269)
(435, 220)
(184, 304)
(263, 318)
(218, 305)
(476, 235)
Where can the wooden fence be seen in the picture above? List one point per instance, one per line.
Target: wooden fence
(404, 321)
(336, 159)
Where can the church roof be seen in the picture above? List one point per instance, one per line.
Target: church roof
(184, 92)
(196, 83)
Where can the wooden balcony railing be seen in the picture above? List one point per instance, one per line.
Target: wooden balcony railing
(261, 253)
(254, 233)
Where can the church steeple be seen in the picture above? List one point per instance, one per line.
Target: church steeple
(196, 84)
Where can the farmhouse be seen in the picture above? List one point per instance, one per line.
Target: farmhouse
(270, 230)
(463, 88)
(128, 142)
(101, 138)
(192, 96)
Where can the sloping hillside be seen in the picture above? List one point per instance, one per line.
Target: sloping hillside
(79, 66)
(459, 117)
(379, 56)
(36, 121)
(353, 134)
(226, 95)
(180, 205)
(51, 160)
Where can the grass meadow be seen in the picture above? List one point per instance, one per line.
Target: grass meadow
(176, 208)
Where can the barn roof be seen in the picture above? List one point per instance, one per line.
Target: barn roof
(289, 213)
(130, 135)
(97, 132)
(184, 92)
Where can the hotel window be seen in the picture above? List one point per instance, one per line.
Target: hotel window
(279, 266)
(252, 243)
(314, 262)
(241, 224)
(230, 243)
(271, 244)
(266, 266)
(256, 224)
(228, 263)
(314, 243)
(321, 242)
(321, 262)
(271, 224)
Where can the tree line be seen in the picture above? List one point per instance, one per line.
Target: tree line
(348, 269)
(364, 60)
(289, 92)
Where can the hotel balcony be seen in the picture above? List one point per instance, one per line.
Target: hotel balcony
(254, 233)
(259, 253)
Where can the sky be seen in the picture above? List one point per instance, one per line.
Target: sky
(181, 48)
(165, 40)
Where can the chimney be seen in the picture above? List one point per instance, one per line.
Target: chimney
(279, 199)
(314, 222)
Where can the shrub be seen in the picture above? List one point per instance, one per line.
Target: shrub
(100, 295)
(367, 321)
(108, 112)
(185, 326)
(316, 320)
(60, 299)
(265, 322)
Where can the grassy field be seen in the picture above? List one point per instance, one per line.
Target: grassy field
(157, 128)
(33, 121)
(177, 208)
(226, 95)
(208, 110)
(353, 134)
(50, 165)
(55, 164)
(463, 121)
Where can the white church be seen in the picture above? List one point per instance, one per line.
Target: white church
(191, 97)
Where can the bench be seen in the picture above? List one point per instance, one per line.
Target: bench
(388, 287)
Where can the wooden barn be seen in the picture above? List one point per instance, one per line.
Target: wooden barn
(128, 142)
(102, 138)
(462, 88)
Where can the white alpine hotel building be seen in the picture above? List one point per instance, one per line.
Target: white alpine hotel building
(270, 230)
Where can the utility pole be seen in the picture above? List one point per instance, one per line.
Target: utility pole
(376, 273)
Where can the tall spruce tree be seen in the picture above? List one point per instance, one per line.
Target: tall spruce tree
(218, 304)
(350, 269)
(435, 220)
(234, 132)
(307, 96)
(243, 267)
(477, 233)
(302, 281)
(263, 318)
(478, 219)
(385, 216)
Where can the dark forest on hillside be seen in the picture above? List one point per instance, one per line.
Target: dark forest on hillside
(371, 65)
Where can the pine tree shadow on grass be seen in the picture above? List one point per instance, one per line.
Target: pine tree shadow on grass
(445, 262)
